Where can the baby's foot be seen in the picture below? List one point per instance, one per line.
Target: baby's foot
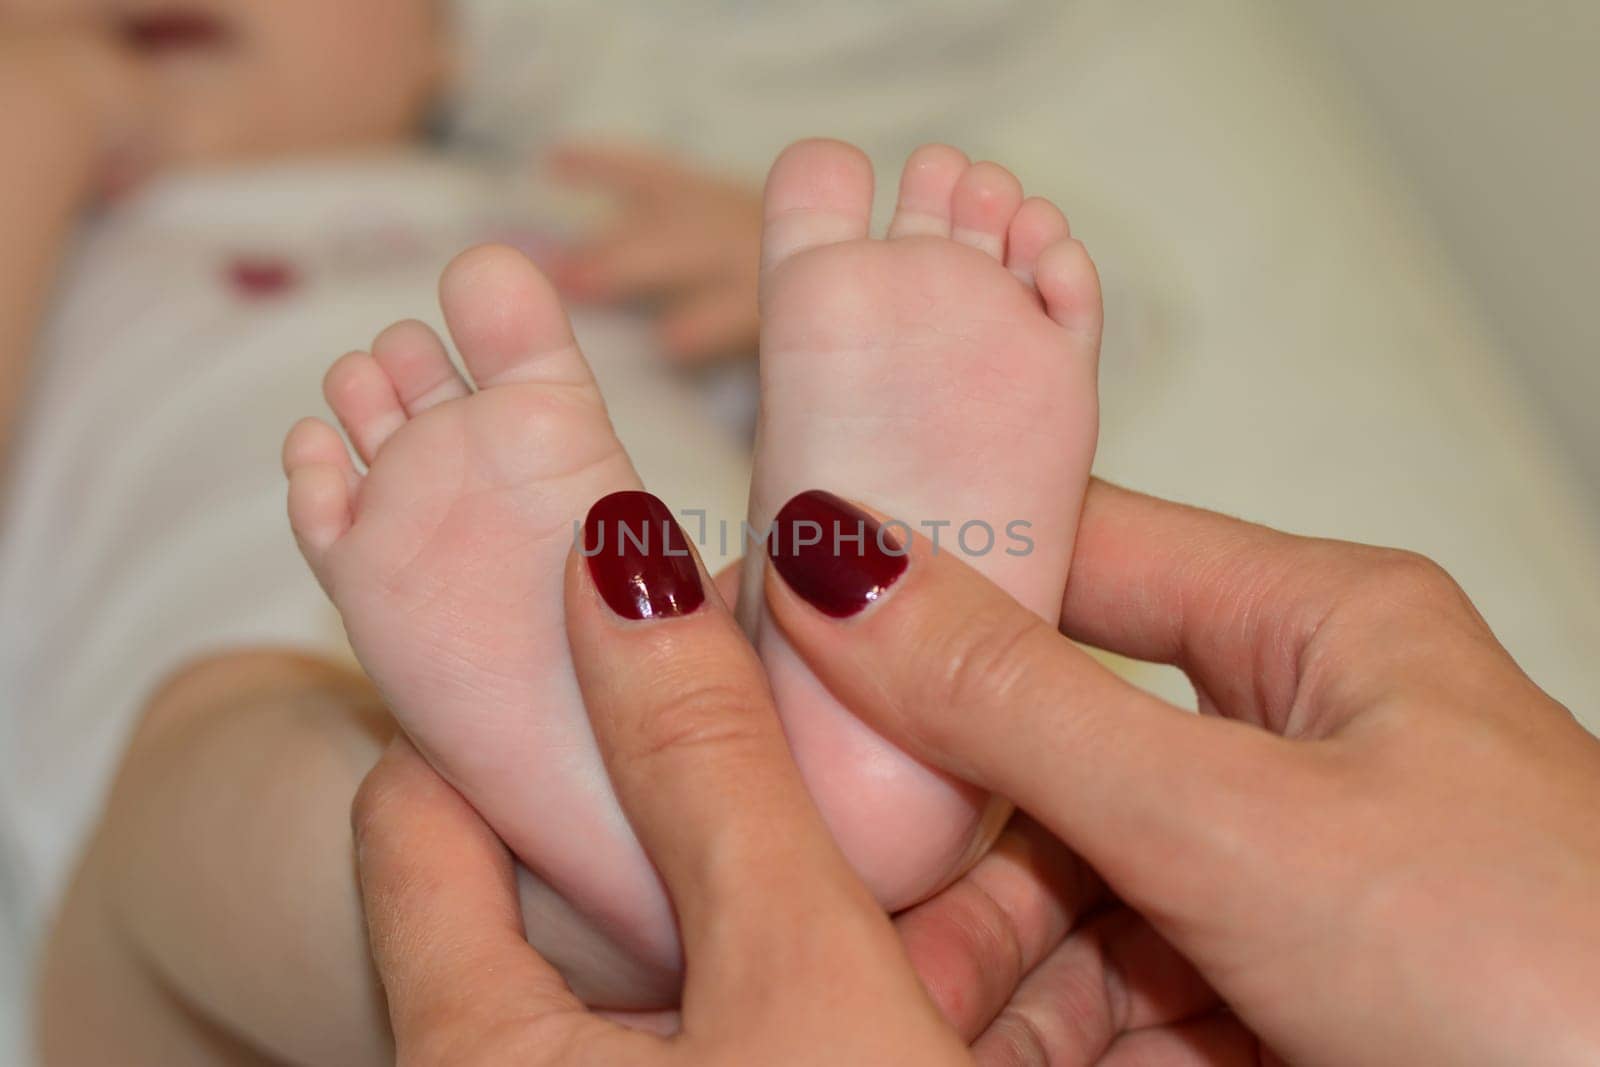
(446, 558)
(946, 376)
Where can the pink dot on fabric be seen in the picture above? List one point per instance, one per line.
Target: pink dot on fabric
(261, 277)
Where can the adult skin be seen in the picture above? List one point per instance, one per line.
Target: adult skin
(790, 960)
(1378, 844)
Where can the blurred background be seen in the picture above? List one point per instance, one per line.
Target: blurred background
(1489, 110)
(1348, 248)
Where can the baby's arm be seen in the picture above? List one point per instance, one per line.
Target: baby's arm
(215, 917)
(684, 243)
(65, 101)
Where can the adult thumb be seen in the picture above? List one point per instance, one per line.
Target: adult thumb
(951, 669)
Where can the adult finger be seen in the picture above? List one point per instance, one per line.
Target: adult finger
(957, 673)
(700, 764)
(1218, 1040)
(1239, 606)
(1113, 976)
(443, 917)
(973, 943)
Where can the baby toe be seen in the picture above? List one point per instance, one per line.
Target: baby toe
(984, 201)
(926, 187)
(416, 361)
(1070, 287)
(363, 398)
(1038, 225)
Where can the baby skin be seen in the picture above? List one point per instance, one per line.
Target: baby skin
(945, 374)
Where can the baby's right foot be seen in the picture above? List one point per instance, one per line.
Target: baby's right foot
(445, 560)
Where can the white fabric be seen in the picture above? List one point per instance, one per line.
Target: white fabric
(1303, 353)
(732, 81)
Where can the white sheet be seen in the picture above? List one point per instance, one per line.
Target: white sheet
(1306, 355)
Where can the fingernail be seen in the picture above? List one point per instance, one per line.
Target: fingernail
(836, 556)
(639, 559)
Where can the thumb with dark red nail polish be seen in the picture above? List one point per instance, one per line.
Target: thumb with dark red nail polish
(835, 556)
(638, 558)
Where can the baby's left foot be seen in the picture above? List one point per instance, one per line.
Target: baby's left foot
(946, 376)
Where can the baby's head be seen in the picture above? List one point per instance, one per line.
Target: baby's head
(250, 79)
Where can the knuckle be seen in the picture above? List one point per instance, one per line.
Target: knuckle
(992, 941)
(694, 714)
(992, 660)
(1020, 1040)
(1405, 581)
(967, 950)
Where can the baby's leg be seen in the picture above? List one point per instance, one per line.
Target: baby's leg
(215, 917)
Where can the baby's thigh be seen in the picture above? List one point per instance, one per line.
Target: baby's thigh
(216, 912)
(216, 917)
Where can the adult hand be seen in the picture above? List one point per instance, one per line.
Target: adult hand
(789, 957)
(686, 242)
(1378, 843)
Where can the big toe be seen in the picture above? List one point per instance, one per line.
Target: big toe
(508, 322)
(819, 192)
